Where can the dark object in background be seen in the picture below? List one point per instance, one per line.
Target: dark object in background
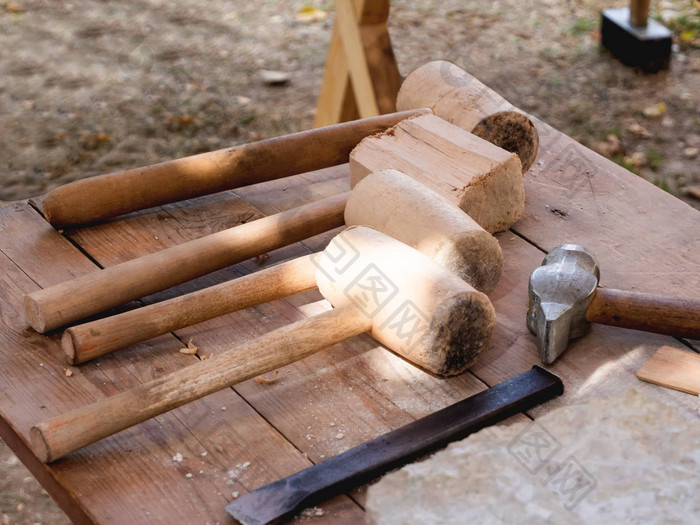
(634, 39)
(359, 465)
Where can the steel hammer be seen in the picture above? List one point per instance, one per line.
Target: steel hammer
(564, 299)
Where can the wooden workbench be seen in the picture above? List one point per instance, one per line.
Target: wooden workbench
(247, 436)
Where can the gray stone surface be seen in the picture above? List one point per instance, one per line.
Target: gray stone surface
(622, 460)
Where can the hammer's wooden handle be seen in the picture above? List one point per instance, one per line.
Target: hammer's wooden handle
(63, 434)
(90, 340)
(101, 290)
(113, 194)
(646, 312)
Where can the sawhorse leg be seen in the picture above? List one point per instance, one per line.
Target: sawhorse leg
(361, 78)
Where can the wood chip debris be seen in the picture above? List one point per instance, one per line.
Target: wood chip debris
(190, 349)
(313, 512)
(260, 259)
(68, 372)
(265, 381)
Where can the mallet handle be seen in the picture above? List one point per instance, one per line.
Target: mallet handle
(650, 313)
(639, 12)
(90, 340)
(104, 196)
(101, 290)
(60, 435)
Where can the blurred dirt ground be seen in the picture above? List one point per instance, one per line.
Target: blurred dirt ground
(88, 86)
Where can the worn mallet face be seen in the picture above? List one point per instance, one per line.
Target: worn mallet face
(419, 310)
(560, 292)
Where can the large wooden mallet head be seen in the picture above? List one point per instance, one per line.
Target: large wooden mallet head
(417, 309)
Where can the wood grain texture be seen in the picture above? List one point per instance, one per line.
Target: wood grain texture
(660, 314)
(360, 78)
(87, 341)
(673, 368)
(60, 435)
(144, 484)
(482, 179)
(310, 391)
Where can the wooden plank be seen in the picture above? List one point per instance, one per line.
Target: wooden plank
(673, 368)
(381, 64)
(644, 238)
(130, 476)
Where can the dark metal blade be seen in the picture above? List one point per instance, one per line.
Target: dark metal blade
(363, 463)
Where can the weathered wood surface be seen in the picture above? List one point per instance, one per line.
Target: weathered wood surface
(673, 368)
(644, 239)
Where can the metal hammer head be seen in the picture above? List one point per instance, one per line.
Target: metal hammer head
(560, 292)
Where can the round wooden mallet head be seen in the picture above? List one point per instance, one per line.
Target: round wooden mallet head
(419, 310)
(403, 208)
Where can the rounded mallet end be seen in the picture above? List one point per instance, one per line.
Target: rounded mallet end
(417, 309)
(34, 314)
(410, 212)
(459, 330)
(40, 446)
(474, 256)
(68, 347)
(513, 132)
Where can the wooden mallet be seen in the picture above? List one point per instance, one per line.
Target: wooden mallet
(404, 300)
(475, 173)
(387, 201)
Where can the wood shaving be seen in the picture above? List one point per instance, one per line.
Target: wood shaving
(264, 381)
(260, 259)
(68, 372)
(313, 512)
(190, 349)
